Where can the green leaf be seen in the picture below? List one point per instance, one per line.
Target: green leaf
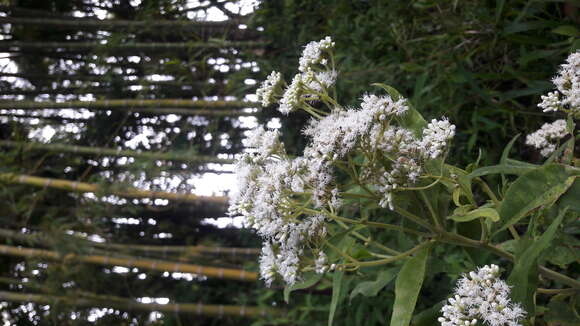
(561, 314)
(429, 317)
(500, 169)
(570, 198)
(535, 188)
(336, 288)
(372, 288)
(407, 287)
(487, 212)
(524, 276)
(567, 30)
(507, 149)
(308, 282)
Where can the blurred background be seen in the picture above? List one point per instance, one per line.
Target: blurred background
(120, 121)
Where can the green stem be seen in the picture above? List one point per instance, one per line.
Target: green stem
(464, 241)
(367, 223)
(369, 240)
(431, 210)
(392, 259)
(340, 252)
(413, 218)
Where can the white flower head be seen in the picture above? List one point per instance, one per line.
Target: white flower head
(567, 82)
(313, 53)
(436, 137)
(292, 95)
(481, 295)
(264, 142)
(268, 88)
(547, 137)
(384, 106)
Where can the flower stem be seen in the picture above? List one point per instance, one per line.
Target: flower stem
(392, 259)
(546, 272)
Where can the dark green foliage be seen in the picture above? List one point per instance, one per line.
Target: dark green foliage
(481, 63)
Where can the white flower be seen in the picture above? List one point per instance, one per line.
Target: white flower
(546, 138)
(550, 102)
(291, 97)
(436, 137)
(265, 142)
(481, 295)
(312, 53)
(319, 81)
(567, 82)
(267, 90)
(383, 106)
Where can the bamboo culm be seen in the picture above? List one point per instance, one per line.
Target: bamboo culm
(130, 305)
(116, 24)
(82, 187)
(41, 239)
(110, 104)
(148, 264)
(62, 148)
(35, 47)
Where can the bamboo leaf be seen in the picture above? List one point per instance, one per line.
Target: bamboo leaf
(535, 188)
(407, 287)
(567, 30)
(524, 276)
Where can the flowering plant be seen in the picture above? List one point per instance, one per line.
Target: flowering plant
(372, 190)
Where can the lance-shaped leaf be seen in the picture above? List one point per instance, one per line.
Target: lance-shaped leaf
(538, 187)
(407, 287)
(524, 276)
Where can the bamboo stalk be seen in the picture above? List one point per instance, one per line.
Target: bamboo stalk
(110, 104)
(233, 251)
(83, 187)
(116, 24)
(44, 240)
(79, 47)
(180, 157)
(148, 264)
(130, 305)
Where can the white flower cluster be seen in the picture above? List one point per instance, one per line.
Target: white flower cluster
(292, 95)
(567, 82)
(313, 53)
(436, 137)
(482, 295)
(276, 193)
(267, 90)
(265, 179)
(310, 79)
(546, 138)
